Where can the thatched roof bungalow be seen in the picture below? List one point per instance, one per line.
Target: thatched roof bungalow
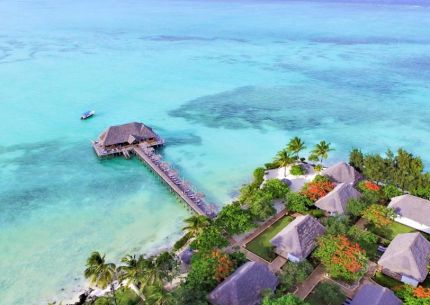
(407, 258)
(342, 173)
(244, 286)
(374, 294)
(126, 134)
(335, 202)
(412, 211)
(298, 239)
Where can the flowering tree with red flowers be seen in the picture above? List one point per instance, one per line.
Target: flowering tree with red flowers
(413, 296)
(379, 215)
(317, 189)
(341, 258)
(223, 265)
(369, 185)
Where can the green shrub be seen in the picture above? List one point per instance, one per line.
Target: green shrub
(297, 170)
(124, 296)
(356, 206)
(293, 274)
(258, 176)
(181, 242)
(321, 178)
(317, 213)
(271, 165)
(296, 202)
(276, 188)
(391, 191)
(328, 293)
(233, 219)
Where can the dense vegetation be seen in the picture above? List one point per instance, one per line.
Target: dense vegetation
(344, 250)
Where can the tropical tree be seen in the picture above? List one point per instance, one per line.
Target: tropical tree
(157, 295)
(100, 273)
(284, 158)
(196, 224)
(320, 151)
(132, 272)
(295, 146)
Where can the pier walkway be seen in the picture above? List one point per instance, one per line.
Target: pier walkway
(193, 199)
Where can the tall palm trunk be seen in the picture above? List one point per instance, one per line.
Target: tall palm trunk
(112, 288)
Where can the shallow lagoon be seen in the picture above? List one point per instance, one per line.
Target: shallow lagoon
(226, 83)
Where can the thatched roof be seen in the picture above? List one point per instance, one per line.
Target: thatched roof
(337, 199)
(298, 237)
(244, 286)
(127, 133)
(374, 294)
(342, 173)
(408, 254)
(412, 207)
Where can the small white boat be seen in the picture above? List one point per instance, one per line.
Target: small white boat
(87, 114)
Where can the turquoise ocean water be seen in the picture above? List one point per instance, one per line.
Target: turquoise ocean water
(227, 83)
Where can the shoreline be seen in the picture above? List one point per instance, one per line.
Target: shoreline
(78, 292)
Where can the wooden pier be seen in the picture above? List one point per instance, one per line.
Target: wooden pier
(193, 199)
(140, 140)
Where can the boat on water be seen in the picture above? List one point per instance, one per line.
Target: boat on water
(87, 114)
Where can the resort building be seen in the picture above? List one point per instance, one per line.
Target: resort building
(335, 202)
(298, 239)
(407, 258)
(244, 286)
(342, 173)
(374, 294)
(116, 138)
(412, 211)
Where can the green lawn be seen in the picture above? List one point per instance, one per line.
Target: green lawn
(326, 294)
(386, 281)
(390, 231)
(261, 244)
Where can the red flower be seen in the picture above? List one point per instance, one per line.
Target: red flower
(371, 186)
(316, 190)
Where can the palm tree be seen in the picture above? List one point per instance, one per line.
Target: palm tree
(320, 151)
(196, 224)
(100, 273)
(284, 158)
(295, 146)
(133, 273)
(157, 295)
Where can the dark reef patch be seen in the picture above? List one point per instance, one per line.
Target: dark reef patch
(284, 107)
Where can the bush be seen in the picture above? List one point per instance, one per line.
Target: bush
(276, 188)
(297, 170)
(293, 274)
(356, 207)
(210, 238)
(391, 191)
(366, 239)
(271, 165)
(328, 293)
(258, 176)
(181, 242)
(289, 299)
(124, 296)
(321, 178)
(317, 213)
(337, 225)
(234, 219)
(296, 202)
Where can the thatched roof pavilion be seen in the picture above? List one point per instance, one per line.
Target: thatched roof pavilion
(297, 240)
(244, 286)
(407, 256)
(374, 294)
(412, 207)
(126, 134)
(342, 173)
(335, 202)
